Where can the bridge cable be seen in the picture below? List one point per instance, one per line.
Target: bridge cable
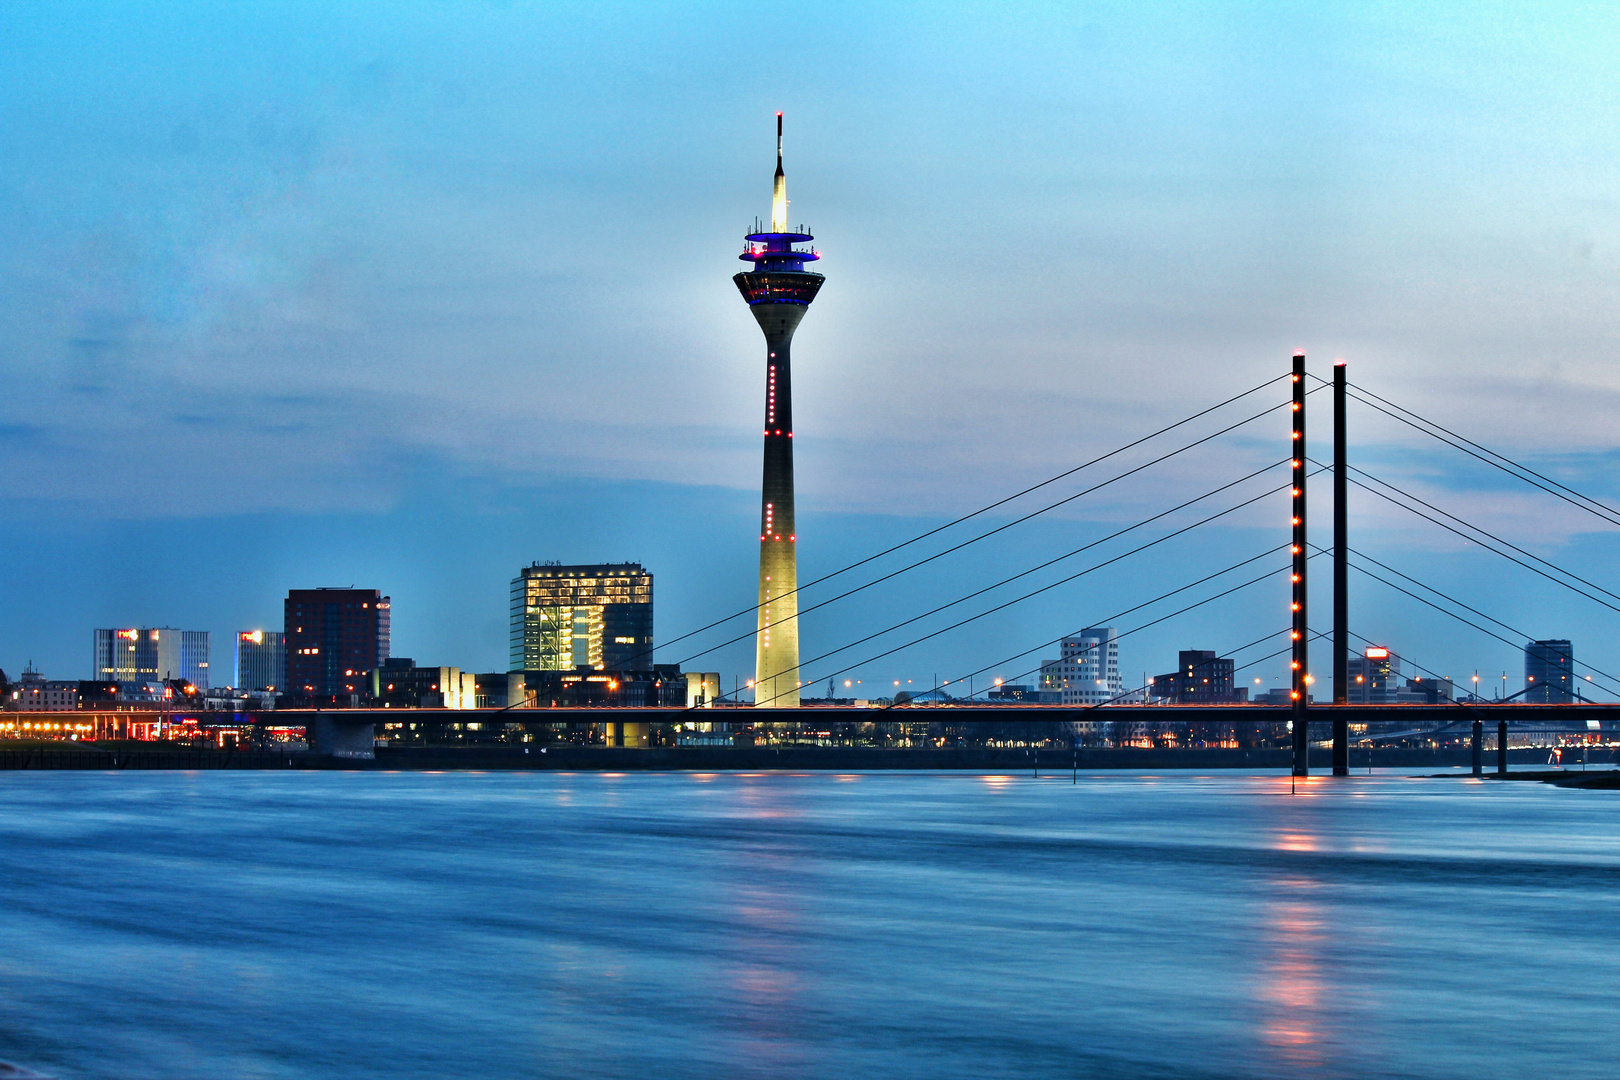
(753, 608)
(1042, 589)
(1230, 654)
(1451, 599)
(1437, 607)
(1137, 717)
(1484, 532)
(1033, 569)
(1428, 671)
(1487, 450)
(984, 535)
(1534, 479)
(1127, 611)
(1479, 701)
(1144, 626)
(1481, 543)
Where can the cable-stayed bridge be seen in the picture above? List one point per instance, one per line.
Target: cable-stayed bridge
(1297, 557)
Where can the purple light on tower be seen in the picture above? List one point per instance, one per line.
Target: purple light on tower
(779, 291)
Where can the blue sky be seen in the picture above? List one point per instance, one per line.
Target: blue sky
(408, 295)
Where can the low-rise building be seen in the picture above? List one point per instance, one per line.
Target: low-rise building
(35, 693)
(139, 694)
(1421, 691)
(400, 684)
(497, 689)
(1202, 678)
(664, 685)
(1018, 694)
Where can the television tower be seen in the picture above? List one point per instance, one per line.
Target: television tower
(779, 291)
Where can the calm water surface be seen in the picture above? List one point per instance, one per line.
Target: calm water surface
(363, 925)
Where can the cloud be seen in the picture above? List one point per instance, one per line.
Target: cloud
(303, 262)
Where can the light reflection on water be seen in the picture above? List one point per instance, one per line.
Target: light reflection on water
(1292, 984)
(749, 925)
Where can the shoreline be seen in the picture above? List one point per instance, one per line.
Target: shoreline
(793, 758)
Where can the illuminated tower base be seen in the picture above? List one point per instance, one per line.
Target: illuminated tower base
(779, 292)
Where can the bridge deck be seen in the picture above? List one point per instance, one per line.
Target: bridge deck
(1415, 715)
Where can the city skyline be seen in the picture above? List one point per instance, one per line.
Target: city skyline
(288, 430)
(1193, 499)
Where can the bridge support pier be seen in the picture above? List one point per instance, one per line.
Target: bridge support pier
(1501, 748)
(329, 736)
(1479, 748)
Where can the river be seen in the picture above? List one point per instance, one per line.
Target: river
(360, 925)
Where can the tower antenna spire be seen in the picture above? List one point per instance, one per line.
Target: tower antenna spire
(779, 200)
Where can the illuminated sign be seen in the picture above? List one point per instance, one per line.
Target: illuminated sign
(1377, 654)
(128, 635)
(255, 636)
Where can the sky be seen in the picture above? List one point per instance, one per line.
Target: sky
(409, 295)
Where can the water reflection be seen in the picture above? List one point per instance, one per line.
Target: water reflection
(763, 958)
(1292, 992)
(1294, 1023)
(719, 926)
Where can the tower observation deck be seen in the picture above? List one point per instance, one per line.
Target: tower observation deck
(779, 291)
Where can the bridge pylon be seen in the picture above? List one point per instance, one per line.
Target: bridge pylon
(1300, 689)
(1341, 578)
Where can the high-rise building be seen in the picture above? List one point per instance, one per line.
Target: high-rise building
(261, 660)
(194, 658)
(598, 616)
(1375, 677)
(137, 654)
(779, 291)
(332, 638)
(1087, 673)
(1549, 672)
(1201, 679)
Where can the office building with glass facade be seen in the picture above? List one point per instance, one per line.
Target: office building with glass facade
(139, 654)
(332, 638)
(261, 660)
(1549, 672)
(597, 616)
(1375, 677)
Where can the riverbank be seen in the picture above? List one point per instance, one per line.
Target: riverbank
(1598, 778)
(565, 758)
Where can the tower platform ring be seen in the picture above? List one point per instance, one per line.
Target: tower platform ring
(789, 237)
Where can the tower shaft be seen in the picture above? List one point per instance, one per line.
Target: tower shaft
(776, 651)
